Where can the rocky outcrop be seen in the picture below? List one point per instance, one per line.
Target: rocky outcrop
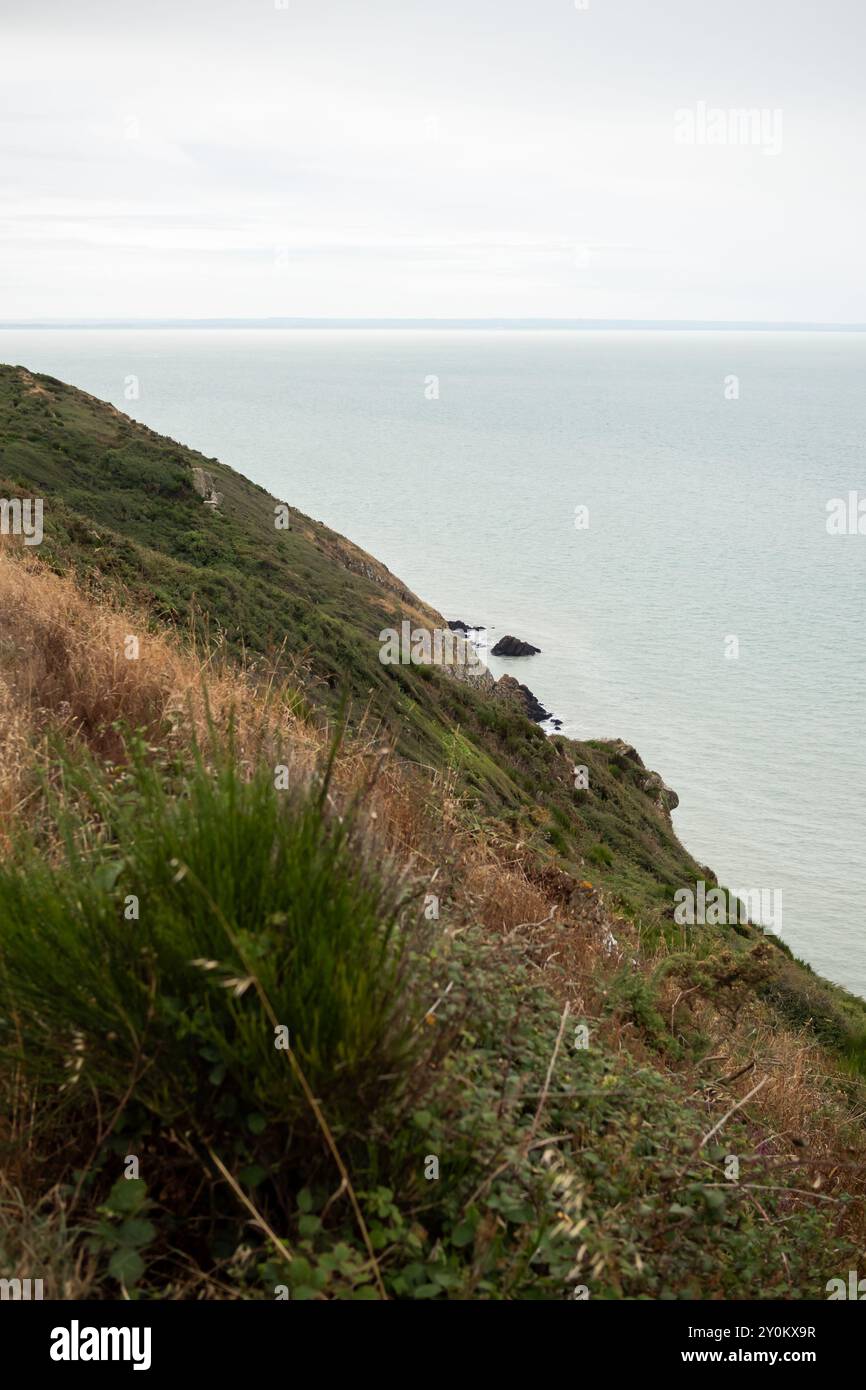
(458, 625)
(204, 484)
(473, 673)
(514, 646)
(506, 691)
(660, 792)
(649, 782)
(357, 561)
(509, 691)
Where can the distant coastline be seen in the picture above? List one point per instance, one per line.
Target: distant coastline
(516, 325)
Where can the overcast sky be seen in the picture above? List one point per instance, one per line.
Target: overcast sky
(470, 158)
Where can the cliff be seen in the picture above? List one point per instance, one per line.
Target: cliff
(329, 976)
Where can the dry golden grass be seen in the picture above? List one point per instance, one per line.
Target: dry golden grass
(807, 1113)
(38, 1242)
(68, 667)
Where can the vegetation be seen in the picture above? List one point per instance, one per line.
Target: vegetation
(321, 979)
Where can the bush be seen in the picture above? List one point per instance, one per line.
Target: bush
(257, 909)
(600, 854)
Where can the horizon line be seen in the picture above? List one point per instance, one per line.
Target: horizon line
(514, 324)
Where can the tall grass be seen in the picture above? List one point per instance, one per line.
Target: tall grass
(152, 959)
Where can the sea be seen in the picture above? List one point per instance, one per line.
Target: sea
(649, 507)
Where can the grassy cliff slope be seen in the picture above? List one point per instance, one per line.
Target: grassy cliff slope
(321, 978)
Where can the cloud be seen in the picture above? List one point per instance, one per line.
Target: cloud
(493, 159)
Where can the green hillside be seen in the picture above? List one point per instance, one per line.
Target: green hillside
(122, 513)
(322, 978)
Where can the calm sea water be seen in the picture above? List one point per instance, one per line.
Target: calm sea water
(707, 521)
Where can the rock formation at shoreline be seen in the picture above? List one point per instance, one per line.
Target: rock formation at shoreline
(509, 691)
(458, 625)
(514, 646)
(652, 784)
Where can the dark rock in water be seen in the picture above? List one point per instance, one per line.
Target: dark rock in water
(513, 646)
(510, 692)
(458, 625)
(534, 708)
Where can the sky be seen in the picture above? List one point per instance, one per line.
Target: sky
(433, 158)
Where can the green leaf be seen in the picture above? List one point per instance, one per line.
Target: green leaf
(463, 1234)
(676, 1209)
(256, 1123)
(379, 1236)
(106, 875)
(252, 1175)
(126, 1265)
(127, 1196)
(305, 1200)
(300, 1271)
(715, 1201)
(309, 1224)
(517, 1212)
(135, 1231)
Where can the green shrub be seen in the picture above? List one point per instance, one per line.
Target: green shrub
(256, 908)
(599, 854)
